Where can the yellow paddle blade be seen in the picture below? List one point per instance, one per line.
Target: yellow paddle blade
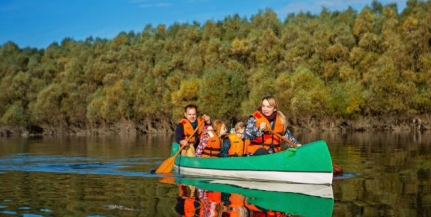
(168, 180)
(167, 165)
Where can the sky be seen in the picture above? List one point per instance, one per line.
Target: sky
(39, 23)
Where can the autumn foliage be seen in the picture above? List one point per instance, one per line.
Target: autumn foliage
(341, 64)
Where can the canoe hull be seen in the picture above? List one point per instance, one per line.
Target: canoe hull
(310, 164)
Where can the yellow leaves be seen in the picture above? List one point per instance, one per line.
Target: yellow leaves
(369, 41)
(425, 61)
(347, 73)
(298, 61)
(240, 46)
(187, 93)
(260, 57)
(117, 90)
(364, 23)
(161, 29)
(234, 65)
(110, 79)
(336, 51)
(345, 97)
(408, 75)
(94, 106)
(120, 41)
(161, 69)
(308, 93)
(352, 108)
(410, 24)
(47, 107)
(389, 12)
(110, 103)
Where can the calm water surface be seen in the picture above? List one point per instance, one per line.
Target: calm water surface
(387, 174)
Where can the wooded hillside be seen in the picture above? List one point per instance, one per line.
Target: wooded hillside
(341, 65)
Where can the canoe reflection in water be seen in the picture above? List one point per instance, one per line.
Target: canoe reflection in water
(217, 197)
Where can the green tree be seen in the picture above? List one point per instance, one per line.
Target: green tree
(392, 90)
(14, 116)
(221, 93)
(303, 93)
(47, 107)
(346, 98)
(336, 63)
(186, 94)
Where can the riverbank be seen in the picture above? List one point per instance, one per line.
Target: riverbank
(387, 123)
(311, 124)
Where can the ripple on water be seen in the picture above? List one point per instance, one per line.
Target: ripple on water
(8, 212)
(31, 215)
(75, 165)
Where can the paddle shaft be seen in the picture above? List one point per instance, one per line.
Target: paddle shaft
(193, 134)
(187, 140)
(283, 138)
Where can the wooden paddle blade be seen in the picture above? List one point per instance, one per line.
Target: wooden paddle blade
(337, 170)
(167, 165)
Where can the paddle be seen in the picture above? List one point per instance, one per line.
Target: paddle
(167, 165)
(337, 170)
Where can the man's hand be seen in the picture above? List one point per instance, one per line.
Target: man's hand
(183, 142)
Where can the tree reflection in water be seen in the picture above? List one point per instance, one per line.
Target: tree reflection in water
(388, 174)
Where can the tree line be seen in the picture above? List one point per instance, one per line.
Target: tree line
(341, 64)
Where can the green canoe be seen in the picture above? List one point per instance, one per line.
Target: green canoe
(290, 198)
(311, 164)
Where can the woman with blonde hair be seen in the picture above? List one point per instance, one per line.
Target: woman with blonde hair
(267, 116)
(210, 142)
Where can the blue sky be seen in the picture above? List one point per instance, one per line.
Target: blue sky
(38, 23)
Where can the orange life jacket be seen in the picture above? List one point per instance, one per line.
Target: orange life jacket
(236, 205)
(212, 149)
(237, 146)
(257, 212)
(189, 207)
(188, 128)
(267, 139)
(213, 196)
(246, 146)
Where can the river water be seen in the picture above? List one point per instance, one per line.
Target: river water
(386, 174)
